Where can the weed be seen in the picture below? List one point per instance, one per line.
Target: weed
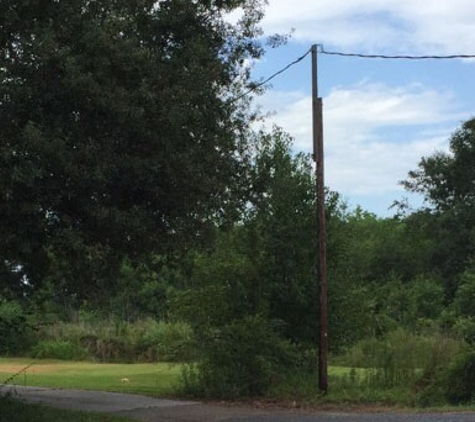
(401, 357)
(111, 341)
(59, 349)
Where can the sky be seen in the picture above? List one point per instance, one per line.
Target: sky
(380, 116)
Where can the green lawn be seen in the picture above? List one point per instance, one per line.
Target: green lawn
(347, 386)
(157, 379)
(153, 379)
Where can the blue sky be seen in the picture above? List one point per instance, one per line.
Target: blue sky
(380, 116)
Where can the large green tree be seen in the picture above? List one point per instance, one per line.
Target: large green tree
(447, 182)
(119, 133)
(266, 265)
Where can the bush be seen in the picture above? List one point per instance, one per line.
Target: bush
(119, 341)
(168, 342)
(242, 359)
(465, 328)
(402, 357)
(59, 349)
(16, 334)
(452, 383)
(465, 295)
(459, 379)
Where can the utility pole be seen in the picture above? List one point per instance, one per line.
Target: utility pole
(317, 115)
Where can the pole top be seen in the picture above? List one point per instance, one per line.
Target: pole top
(317, 48)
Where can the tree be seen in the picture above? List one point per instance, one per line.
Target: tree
(120, 137)
(281, 232)
(265, 265)
(447, 182)
(253, 297)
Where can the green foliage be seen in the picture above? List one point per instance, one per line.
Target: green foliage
(459, 379)
(280, 236)
(117, 341)
(349, 315)
(447, 183)
(167, 342)
(380, 247)
(427, 299)
(464, 301)
(244, 358)
(446, 179)
(379, 278)
(143, 290)
(59, 349)
(401, 357)
(239, 351)
(119, 139)
(281, 243)
(264, 269)
(16, 333)
(452, 383)
(415, 305)
(465, 328)
(463, 308)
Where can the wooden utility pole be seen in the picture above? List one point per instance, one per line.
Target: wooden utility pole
(322, 250)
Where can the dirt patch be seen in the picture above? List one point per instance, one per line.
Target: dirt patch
(15, 368)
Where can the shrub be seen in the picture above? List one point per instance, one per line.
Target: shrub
(465, 328)
(402, 357)
(242, 359)
(465, 295)
(118, 341)
(59, 349)
(452, 383)
(459, 379)
(16, 333)
(161, 341)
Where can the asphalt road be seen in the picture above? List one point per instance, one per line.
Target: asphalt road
(161, 410)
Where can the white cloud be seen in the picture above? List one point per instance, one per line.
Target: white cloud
(418, 26)
(374, 133)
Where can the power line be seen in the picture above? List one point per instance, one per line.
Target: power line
(321, 50)
(256, 86)
(401, 57)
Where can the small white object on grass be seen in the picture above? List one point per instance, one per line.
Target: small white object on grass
(124, 380)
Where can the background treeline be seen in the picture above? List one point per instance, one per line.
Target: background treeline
(142, 218)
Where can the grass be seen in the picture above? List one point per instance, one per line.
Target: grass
(155, 379)
(109, 341)
(348, 386)
(15, 411)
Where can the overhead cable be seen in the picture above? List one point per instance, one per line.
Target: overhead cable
(321, 50)
(402, 57)
(256, 86)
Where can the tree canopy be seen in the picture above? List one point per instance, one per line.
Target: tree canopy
(119, 136)
(447, 182)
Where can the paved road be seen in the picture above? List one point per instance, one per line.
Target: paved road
(161, 410)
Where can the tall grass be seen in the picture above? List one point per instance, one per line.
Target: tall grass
(392, 370)
(401, 357)
(116, 341)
